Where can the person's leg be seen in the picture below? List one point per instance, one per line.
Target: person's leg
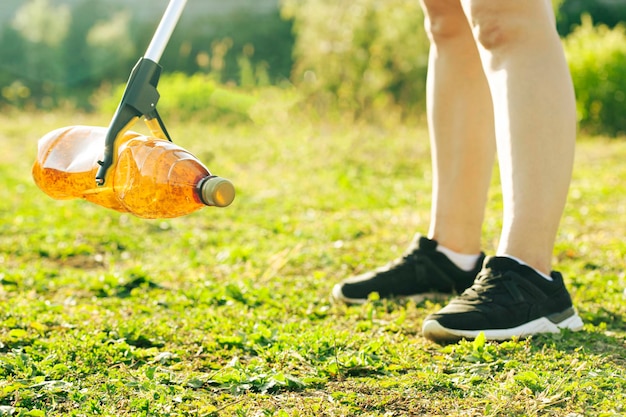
(534, 112)
(463, 146)
(535, 119)
(461, 125)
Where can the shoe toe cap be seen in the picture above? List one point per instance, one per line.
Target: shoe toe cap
(338, 295)
(433, 330)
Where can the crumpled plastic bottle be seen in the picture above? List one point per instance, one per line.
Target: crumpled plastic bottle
(151, 178)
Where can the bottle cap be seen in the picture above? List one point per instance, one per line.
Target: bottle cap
(216, 191)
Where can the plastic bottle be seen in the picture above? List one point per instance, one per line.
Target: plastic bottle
(151, 178)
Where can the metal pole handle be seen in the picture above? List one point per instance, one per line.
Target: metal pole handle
(164, 30)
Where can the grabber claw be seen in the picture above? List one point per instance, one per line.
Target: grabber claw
(141, 96)
(139, 100)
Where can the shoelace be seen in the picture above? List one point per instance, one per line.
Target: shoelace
(487, 286)
(419, 265)
(412, 257)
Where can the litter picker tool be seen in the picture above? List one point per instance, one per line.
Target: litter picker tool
(148, 176)
(140, 97)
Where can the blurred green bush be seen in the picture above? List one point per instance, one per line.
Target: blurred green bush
(597, 60)
(55, 52)
(365, 56)
(361, 56)
(185, 97)
(607, 12)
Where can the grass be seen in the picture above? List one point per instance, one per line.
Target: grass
(225, 312)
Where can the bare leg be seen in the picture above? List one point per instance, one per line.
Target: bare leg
(496, 74)
(535, 119)
(460, 117)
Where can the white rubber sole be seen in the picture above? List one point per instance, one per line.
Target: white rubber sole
(434, 331)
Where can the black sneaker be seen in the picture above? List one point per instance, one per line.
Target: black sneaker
(507, 300)
(421, 273)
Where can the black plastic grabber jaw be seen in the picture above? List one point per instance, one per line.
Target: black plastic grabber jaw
(139, 100)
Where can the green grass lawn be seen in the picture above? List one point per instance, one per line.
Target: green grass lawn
(226, 311)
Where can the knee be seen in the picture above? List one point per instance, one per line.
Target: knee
(495, 24)
(443, 20)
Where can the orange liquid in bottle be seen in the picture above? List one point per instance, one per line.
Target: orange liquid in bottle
(155, 178)
(151, 178)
